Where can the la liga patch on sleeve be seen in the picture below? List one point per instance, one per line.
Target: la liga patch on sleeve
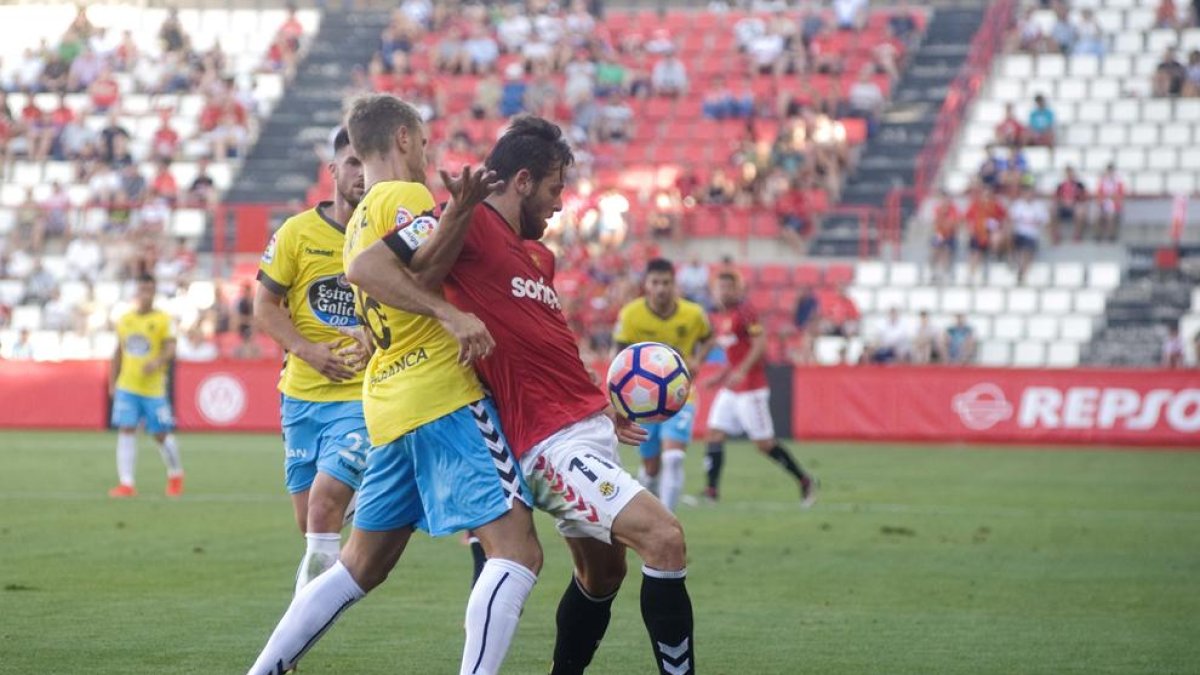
(418, 231)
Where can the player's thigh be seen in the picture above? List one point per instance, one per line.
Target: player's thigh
(342, 443)
(651, 448)
(754, 414)
(576, 477)
(599, 566)
(388, 498)
(465, 472)
(125, 411)
(156, 410)
(301, 441)
(677, 431)
(723, 416)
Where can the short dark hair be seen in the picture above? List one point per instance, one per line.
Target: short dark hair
(530, 143)
(660, 265)
(340, 140)
(146, 279)
(373, 120)
(729, 275)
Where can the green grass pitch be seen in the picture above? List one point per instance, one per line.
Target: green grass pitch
(916, 560)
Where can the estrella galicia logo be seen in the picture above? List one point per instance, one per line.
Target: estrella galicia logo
(332, 301)
(137, 345)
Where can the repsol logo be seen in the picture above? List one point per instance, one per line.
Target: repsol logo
(536, 290)
(1109, 408)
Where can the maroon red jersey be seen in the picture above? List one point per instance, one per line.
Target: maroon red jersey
(734, 328)
(535, 374)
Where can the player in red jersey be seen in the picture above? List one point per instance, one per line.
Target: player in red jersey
(558, 423)
(743, 403)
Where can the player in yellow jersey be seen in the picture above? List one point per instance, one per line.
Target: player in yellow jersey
(138, 385)
(662, 316)
(305, 303)
(439, 460)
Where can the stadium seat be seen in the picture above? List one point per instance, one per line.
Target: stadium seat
(1068, 275)
(1089, 301)
(1038, 275)
(1009, 327)
(923, 298)
(1022, 301)
(956, 300)
(1043, 328)
(870, 273)
(1062, 355)
(864, 298)
(828, 349)
(26, 317)
(1055, 302)
(981, 325)
(807, 275)
(994, 353)
(891, 298)
(1104, 276)
(904, 274)
(987, 301)
(1029, 354)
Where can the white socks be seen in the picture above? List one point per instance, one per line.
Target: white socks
(169, 450)
(492, 614)
(321, 553)
(126, 458)
(672, 478)
(311, 613)
(649, 482)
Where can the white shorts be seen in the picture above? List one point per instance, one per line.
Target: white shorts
(576, 476)
(743, 412)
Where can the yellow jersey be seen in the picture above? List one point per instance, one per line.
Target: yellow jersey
(414, 376)
(683, 330)
(142, 338)
(303, 263)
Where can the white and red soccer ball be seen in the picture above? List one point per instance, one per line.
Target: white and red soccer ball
(648, 382)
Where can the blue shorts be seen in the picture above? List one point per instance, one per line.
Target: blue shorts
(454, 473)
(130, 409)
(678, 428)
(326, 436)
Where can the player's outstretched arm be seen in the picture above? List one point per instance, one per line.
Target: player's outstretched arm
(432, 261)
(273, 318)
(379, 273)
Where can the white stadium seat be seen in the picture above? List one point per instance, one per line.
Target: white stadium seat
(1089, 301)
(995, 353)
(981, 325)
(1068, 275)
(988, 301)
(1009, 327)
(904, 274)
(956, 300)
(923, 298)
(1029, 354)
(891, 298)
(863, 298)
(870, 274)
(1104, 275)
(1022, 301)
(1043, 328)
(1038, 275)
(1055, 302)
(1062, 355)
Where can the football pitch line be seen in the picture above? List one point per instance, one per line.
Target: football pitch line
(865, 508)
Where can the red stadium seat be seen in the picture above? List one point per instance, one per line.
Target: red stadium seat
(762, 223)
(775, 276)
(706, 221)
(762, 299)
(836, 275)
(807, 275)
(659, 108)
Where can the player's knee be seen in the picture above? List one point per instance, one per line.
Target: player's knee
(368, 571)
(668, 547)
(604, 579)
(325, 514)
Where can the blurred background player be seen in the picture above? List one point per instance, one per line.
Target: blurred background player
(662, 316)
(138, 385)
(304, 302)
(439, 458)
(743, 403)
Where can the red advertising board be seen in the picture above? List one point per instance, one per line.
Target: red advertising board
(41, 395)
(227, 396)
(1120, 407)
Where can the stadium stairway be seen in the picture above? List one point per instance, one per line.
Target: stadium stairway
(280, 166)
(1139, 311)
(888, 158)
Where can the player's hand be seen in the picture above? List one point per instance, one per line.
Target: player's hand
(474, 340)
(324, 357)
(150, 367)
(358, 353)
(628, 431)
(735, 378)
(469, 189)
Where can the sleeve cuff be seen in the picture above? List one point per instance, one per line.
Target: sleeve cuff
(271, 285)
(398, 246)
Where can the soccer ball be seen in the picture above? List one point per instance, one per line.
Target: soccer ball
(648, 382)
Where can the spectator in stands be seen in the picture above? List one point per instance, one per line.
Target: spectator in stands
(1166, 15)
(947, 222)
(1014, 169)
(720, 102)
(1191, 85)
(891, 342)
(171, 36)
(514, 28)
(76, 142)
(30, 225)
(104, 183)
(670, 76)
(615, 123)
(693, 281)
(165, 143)
(228, 138)
(113, 139)
(196, 345)
(22, 349)
(793, 215)
(84, 70)
(512, 100)
(1172, 348)
(849, 14)
(1110, 198)
(807, 320)
(541, 94)
(56, 208)
(865, 99)
(839, 314)
(27, 76)
(1091, 35)
(1169, 75)
(1009, 131)
(747, 29)
(1070, 201)
(85, 258)
(721, 189)
(987, 220)
(202, 192)
(960, 342)
(163, 185)
(1029, 35)
(480, 51)
(765, 52)
(38, 130)
(40, 285)
(1064, 34)
(1028, 216)
(927, 346)
(1041, 123)
(486, 101)
(133, 183)
(104, 91)
(126, 53)
(610, 77)
(59, 314)
(55, 75)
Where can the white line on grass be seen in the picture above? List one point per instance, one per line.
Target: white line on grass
(982, 510)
